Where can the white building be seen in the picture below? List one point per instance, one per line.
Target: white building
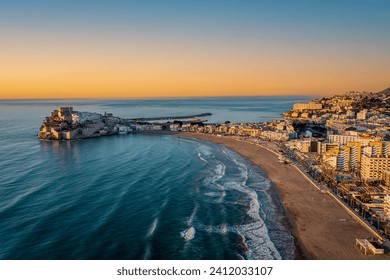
(343, 158)
(362, 115)
(82, 117)
(342, 139)
(373, 167)
(278, 135)
(307, 106)
(174, 127)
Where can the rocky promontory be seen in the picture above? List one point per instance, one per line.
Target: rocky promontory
(66, 124)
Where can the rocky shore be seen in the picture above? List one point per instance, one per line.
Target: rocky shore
(66, 124)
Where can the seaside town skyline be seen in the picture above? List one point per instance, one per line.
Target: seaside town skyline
(144, 49)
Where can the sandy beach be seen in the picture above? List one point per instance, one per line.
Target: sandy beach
(321, 227)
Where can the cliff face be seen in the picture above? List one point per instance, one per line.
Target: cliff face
(66, 124)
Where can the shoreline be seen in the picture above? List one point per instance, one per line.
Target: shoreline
(321, 228)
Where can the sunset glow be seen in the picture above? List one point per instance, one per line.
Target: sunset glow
(110, 49)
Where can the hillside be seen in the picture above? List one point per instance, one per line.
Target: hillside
(386, 91)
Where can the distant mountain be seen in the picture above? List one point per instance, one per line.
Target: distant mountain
(386, 91)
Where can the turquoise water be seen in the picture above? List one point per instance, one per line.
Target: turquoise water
(135, 196)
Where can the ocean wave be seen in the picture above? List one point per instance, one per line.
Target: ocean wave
(224, 152)
(262, 186)
(201, 158)
(204, 149)
(188, 234)
(148, 252)
(215, 174)
(252, 235)
(255, 235)
(219, 187)
(223, 228)
(192, 216)
(240, 188)
(165, 203)
(152, 228)
(212, 194)
(243, 171)
(219, 229)
(219, 172)
(258, 241)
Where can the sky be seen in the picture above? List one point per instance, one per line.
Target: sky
(183, 48)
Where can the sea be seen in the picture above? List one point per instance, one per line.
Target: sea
(137, 196)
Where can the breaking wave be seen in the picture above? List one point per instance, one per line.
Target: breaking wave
(188, 234)
(152, 228)
(238, 183)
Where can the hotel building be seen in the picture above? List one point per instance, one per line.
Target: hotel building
(373, 167)
(307, 106)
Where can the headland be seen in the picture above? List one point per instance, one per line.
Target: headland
(64, 123)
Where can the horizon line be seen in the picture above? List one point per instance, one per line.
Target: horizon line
(162, 98)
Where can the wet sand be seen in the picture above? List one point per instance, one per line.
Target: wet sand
(321, 227)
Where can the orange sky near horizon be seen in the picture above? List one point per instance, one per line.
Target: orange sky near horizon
(183, 50)
(60, 71)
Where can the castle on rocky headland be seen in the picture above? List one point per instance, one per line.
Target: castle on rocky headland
(65, 123)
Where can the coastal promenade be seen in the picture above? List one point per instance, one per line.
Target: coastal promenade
(321, 226)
